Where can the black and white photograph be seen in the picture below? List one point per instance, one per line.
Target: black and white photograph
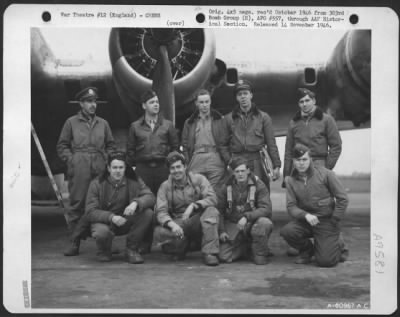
(215, 167)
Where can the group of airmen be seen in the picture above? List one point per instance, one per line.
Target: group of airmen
(209, 192)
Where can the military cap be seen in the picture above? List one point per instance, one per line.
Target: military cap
(237, 161)
(302, 92)
(173, 157)
(299, 150)
(87, 93)
(242, 85)
(148, 94)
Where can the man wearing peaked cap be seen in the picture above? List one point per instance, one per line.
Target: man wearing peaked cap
(84, 143)
(248, 130)
(317, 210)
(87, 93)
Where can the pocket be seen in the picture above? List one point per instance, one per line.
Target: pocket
(140, 147)
(70, 167)
(325, 202)
(259, 134)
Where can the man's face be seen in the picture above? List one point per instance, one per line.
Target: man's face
(244, 97)
(116, 169)
(302, 163)
(241, 173)
(203, 103)
(307, 104)
(177, 170)
(89, 106)
(152, 106)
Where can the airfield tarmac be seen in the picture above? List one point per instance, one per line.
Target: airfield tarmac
(83, 283)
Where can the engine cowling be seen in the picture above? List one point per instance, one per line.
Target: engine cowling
(348, 74)
(134, 55)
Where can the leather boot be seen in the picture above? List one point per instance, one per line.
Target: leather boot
(73, 249)
(210, 260)
(134, 257)
(305, 256)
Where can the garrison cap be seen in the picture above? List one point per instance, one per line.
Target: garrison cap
(237, 161)
(148, 94)
(302, 92)
(173, 157)
(243, 84)
(299, 150)
(87, 93)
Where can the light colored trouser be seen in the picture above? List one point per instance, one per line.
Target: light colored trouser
(210, 165)
(256, 235)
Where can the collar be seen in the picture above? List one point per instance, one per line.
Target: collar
(85, 118)
(115, 183)
(309, 172)
(179, 186)
(318, 114)
(253, 110)
(143, 120)
(214, 114)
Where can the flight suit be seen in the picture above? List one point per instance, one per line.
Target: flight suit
(202, 226)
(247, 134)
(84, 146)
(253, 202)
(320, 194)
(203, 144)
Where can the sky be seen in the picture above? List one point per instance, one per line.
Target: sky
(313, 46)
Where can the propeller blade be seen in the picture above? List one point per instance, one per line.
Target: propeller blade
(163, 85)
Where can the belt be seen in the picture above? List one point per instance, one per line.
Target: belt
(87, 150)
(205, 149)
(151, 163)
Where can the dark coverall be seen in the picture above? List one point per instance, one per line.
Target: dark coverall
(108, 198)
(248, 133)
(84, 146)
(253, 202)
(320, 194)
(172, 202)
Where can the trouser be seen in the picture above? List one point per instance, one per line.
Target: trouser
(135, 226)
(255, 236)
(153, 176)
(255, 165)
(210, 165)
(83, 168)
(326, 246)
(200, 227)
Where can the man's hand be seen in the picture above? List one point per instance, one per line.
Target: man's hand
(312, 220)
(242, 223)
(176, 229)
(189, 211)
(276, 174)
(223, 237)
(130, 210)
(118, 220)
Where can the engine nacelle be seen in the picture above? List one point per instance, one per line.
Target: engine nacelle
(134, 54)
(348, 73)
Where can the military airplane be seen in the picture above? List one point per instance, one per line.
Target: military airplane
(178, 62)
